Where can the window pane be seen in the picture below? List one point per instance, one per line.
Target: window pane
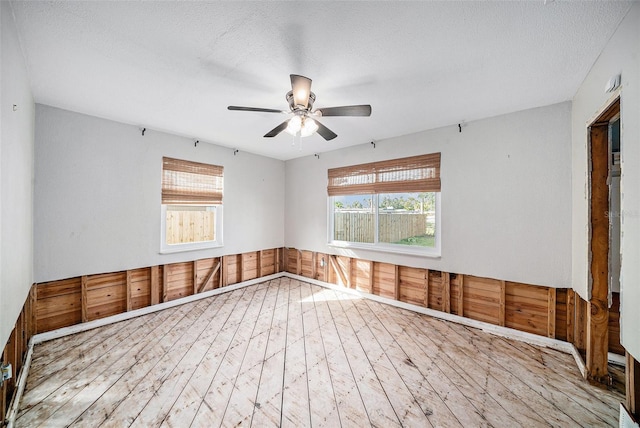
(190, 223)
(353, 218)
(407, 218)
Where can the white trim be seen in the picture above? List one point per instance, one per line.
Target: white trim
(22, 381)
(579, 361)
(606, 105)
(611, 358)
(195, 246)
(438, 231)
(626, 420)
(389, 248)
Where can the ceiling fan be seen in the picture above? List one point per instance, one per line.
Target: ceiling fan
(304, 121)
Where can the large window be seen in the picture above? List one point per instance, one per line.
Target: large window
(391, 205)
(191, 205)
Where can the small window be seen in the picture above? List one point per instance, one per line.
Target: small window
(389, 206)
(191, 205)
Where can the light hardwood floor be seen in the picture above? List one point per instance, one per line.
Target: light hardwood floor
(288, 353)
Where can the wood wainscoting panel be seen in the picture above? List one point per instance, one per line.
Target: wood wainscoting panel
(384, 281)
(59, 304)
(526, 308)
(106, 295)
(268, 262)
(456, 294)
(561, 314)
(250, 265)
(412, 285)
(306, 263)
(140, 285)
(179, 280)
(208, 274)
(363, 275)
(292, 256)
(233, 265)
(482, 299)
(435, 290)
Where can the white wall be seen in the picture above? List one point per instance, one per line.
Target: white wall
(97, 196)
(506, 196)
(621, 55)
(16, 177)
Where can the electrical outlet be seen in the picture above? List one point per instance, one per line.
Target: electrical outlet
(6, 372)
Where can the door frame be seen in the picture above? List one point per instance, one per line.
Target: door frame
(598, 244)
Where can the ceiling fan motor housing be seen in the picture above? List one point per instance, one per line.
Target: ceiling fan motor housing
(293, 107)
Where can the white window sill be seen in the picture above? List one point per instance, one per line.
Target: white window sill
(397, 249)
(180, 248)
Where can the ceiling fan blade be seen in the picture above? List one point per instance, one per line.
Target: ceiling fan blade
(263, 110)
(278, 129)
(301, 87)
(359, 110)
(325, 132)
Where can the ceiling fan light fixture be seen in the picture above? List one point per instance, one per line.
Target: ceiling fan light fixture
(303, 125)
(295, 124)
(309, 127)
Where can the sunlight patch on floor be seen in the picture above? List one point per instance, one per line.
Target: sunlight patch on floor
(328, 296)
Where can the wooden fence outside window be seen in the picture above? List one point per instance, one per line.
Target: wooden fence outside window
(190, 226)
(356, 226)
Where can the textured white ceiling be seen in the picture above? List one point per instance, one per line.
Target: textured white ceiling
(176, 66)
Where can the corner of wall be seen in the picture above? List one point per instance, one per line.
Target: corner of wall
(16, 175)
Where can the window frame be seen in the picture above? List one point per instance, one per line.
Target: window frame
(385, 247)
(190, 246)
(212, 201)
(413, 174)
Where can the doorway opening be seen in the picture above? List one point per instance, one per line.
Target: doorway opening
(604, 243)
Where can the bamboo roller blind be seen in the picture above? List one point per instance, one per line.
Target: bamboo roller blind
(412, 174)
(191, 183)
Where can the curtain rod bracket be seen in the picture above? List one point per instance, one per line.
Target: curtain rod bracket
(143, 130)
(195, 143)
(317, 155)
(373, 144)
(235, 151)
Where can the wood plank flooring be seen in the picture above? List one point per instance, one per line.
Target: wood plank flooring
(288, 353)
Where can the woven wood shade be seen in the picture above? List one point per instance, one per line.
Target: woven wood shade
(412, 174)
(191, 183)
